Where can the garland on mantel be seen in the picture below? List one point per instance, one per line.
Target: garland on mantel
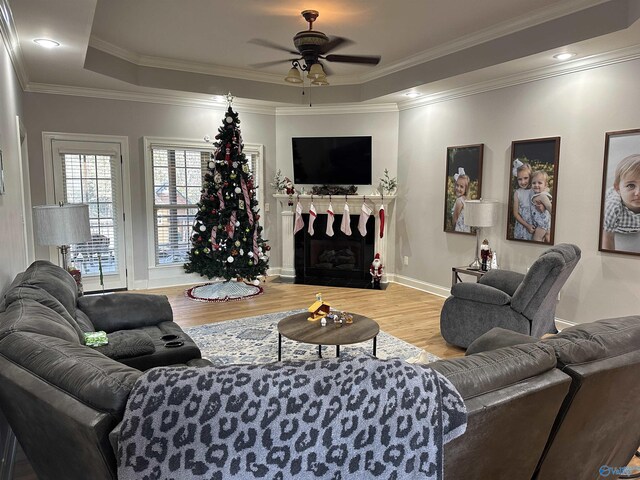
(334, 190)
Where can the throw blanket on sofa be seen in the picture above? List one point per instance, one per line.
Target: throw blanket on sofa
(336, 418)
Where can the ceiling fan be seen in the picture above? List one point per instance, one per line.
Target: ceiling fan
(312, 48)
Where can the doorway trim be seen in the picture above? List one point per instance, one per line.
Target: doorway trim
(123, 141)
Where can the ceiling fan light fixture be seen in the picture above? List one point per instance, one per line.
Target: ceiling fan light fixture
(320, 81)
(293, 76)
(316, 72)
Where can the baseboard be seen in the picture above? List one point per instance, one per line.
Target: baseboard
(562, 324)
(420, 285)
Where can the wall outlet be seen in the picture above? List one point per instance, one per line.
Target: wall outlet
(266, 207)
(405, 260)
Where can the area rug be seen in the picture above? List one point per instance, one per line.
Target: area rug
(222, 291)
(255, 340)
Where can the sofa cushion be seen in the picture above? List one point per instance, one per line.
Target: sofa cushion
(587, 342)
(83, 322)
(127, 344)
(55, 280)
(41, 296)
(89, 376)
(163, 355)
(489, 371)
(498, 338)
(26, 315)
(123, 311)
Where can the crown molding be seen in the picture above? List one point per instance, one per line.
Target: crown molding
(477, 38)
(12, 43)
(348, 108)
(540, 16)
(183, 100)
(622, 55)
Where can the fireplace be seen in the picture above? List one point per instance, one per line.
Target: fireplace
(338, 261)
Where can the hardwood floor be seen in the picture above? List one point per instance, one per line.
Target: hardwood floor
(404, 312)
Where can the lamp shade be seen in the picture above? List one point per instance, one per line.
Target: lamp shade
(480, 213)
(293, 76)
(61, 225)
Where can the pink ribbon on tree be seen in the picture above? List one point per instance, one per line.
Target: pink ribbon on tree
(256, 253)
(220, 198)
(247, 200)
(232, 224)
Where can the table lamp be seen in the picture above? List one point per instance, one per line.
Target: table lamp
(61, 225)
(478, 214)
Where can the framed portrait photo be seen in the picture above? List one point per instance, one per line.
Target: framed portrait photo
(620, 203)
(463, 182)
(533, 174)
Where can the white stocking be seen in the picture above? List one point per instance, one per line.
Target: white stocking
(365, 212)
(345, 226)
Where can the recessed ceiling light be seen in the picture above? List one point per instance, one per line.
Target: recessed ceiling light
(46, 43)
(564, 56)
(412, 94)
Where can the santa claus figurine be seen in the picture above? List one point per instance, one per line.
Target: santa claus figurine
(289, 189)
(376, 270)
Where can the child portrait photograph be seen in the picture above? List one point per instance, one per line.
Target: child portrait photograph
(620, 207)
(463, 182)
(532, 189)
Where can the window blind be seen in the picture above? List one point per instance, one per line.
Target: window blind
(89, 178)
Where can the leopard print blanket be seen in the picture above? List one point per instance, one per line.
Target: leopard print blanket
(357, 417)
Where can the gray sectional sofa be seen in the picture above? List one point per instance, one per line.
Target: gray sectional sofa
(523, 397)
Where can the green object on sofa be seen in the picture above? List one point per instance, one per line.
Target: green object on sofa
(95, 339)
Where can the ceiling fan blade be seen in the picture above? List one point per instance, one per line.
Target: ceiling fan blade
(268, 44)
(363, 59)
(335, 42)
(275, 62)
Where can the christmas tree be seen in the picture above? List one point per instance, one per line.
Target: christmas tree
(226, 240)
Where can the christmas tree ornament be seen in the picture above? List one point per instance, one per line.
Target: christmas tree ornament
(237, 243)
(312, 218)
(233, 176)
(256, 282)
(245, 168)
(330, 219)
(247, 230)
(230, 259)
(267, 248)
(365, 213)
(202, 228)
(250, 263)
(241, 252)
(244, 239)
(229, 119)
(212, 165)
(345, 226)
(250, 254)
(241, 204)
(206, 250)
(237, 223)
(237, 190)
(234, 252)
(217, 178)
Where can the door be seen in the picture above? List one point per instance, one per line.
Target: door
(91, 172)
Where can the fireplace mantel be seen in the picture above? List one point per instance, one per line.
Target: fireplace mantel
(321, 202)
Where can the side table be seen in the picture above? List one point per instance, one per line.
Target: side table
(456, 271)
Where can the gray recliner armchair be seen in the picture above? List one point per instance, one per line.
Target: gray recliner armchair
(511, 300)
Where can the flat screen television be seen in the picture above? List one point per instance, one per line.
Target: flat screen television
(332, 160)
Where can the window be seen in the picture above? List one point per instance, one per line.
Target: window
(176, 171)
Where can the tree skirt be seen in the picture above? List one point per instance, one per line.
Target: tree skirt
(255, 340)
(223, 291)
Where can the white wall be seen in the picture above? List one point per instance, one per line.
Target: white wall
(579, 108)
(68, 114)
(12, 243)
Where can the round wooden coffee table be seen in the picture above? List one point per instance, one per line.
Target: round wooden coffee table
(297, 327)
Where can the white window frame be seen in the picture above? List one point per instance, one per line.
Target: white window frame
(174, 274)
